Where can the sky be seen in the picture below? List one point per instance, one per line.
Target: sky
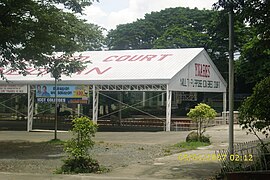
(110, 13)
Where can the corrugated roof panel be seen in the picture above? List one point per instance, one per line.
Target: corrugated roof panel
(122, 66)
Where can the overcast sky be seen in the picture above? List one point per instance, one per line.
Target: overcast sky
(110, 13)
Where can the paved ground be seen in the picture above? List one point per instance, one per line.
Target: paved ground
(168, 167)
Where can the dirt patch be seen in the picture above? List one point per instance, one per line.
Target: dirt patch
(43, 157)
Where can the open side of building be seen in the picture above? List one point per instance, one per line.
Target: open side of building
(168, 70)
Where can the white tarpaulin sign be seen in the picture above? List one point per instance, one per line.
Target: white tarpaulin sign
(13, 89)
(199, 75)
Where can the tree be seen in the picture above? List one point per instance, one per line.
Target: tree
(253, 64)
(254, 114)
(143, 33)
(189, 38)
(137, 35)
(79, 160)
(31, 31)
(180, 28)
(201, 114)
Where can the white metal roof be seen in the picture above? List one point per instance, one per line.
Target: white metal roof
(155, 66)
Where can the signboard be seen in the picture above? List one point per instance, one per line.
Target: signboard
(65, 94)
(62, 91)
(62, 100)
(200, 75)
(13, 89)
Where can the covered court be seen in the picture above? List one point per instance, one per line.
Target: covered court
(155, 70)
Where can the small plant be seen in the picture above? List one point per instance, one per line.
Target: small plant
(193, 137)
(79, 159)
(201, 115)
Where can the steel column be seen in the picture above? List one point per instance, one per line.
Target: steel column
(30, 109)
(95, 104)
(168, 109)
(224, 113)
(143, 99)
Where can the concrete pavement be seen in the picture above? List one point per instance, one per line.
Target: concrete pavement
(168, 167)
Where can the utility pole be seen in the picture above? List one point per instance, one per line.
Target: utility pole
(55, 108)
(231, 77)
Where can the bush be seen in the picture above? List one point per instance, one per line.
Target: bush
(79, 159)
(83, 130)
(80, 165)
(201, 115)
(193, 137)
(254, 114)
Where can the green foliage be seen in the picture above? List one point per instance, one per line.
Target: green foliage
(193, 137)
(181, 28)
(202, 111)
(201, 114)
(254, 114)
(79, 160)
(169, 28)
(83, 130)
(74, 5)
(254, 64)
(80, 165)
(31, 31)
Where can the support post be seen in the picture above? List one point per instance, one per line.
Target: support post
(55, 108)
(143, 99)
(16, 107)
(162, 99)
(231, 79)
(30, 108)
(224, 113)
(79, 109)
(120, 107)
(168, 109)
(95, 104)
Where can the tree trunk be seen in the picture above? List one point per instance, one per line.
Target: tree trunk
(197, 124)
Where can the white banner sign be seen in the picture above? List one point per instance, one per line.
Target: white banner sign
(13, 88)
(200, 75)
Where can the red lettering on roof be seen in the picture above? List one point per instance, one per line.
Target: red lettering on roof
(123, 58)
(98, 71)
(135, 58)
(148, 57)
(11, 72)
(110, 58)
(163, 56)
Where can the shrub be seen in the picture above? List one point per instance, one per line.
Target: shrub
(254, 114)
(80, 165)
(201, 114)
(79, 159)
(193, 137)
